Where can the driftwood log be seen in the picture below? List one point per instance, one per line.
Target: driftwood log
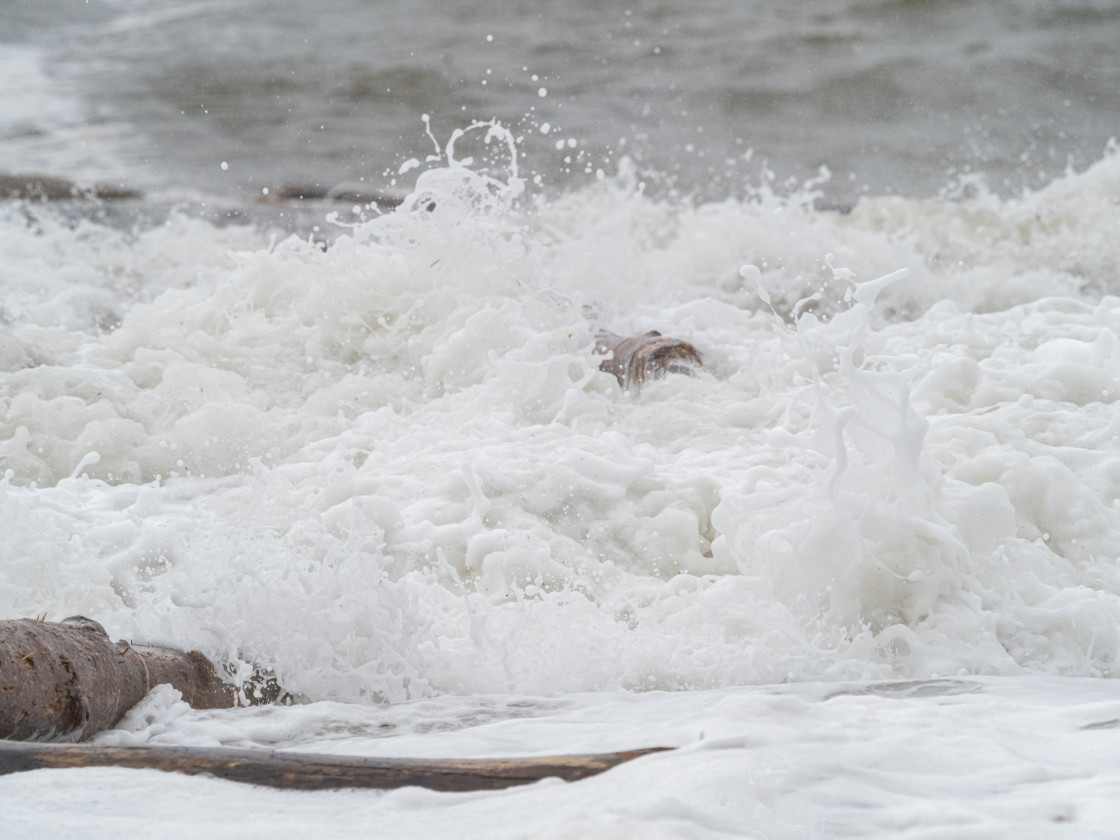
(67, 681)
(302, 771)
(52, 188)
(636, 360)
(347, 193)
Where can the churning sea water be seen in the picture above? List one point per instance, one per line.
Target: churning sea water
(889, 95)
(863, 570)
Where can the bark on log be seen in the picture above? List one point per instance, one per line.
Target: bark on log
(303, 771)
(67, 681)
(635, 360)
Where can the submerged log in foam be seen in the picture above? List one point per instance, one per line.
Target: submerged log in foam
(67, 681)
(297, 771)
(641, 358)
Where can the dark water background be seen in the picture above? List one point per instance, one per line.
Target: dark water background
(890, 95)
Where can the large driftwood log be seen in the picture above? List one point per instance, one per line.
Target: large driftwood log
(302, 771)
(635, 360)
(67, 681)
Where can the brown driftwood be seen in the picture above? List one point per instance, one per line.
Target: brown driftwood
(635, 360)
(347, 193)
(303, 771)
(67, 681)
(51, 188)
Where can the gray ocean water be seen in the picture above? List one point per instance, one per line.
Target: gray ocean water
(234, 97)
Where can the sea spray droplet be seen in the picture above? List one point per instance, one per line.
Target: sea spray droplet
(88, 460)
(751, 274)
(838, 273)
(866, 293)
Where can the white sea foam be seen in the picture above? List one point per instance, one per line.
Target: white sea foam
(987, 757)
(391, 468)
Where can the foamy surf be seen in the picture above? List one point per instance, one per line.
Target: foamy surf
(390, 468)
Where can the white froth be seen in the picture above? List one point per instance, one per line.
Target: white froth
(988, 757)
(391, 468)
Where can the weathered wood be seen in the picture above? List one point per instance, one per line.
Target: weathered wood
(635, 360)
(67, 681)
(303, 771)
(348, 193)
(52, 188)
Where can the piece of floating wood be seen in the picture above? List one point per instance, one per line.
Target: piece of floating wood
(636, 360)
(67, 681)
(304, 771)
(52, 188)
(348, 193)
